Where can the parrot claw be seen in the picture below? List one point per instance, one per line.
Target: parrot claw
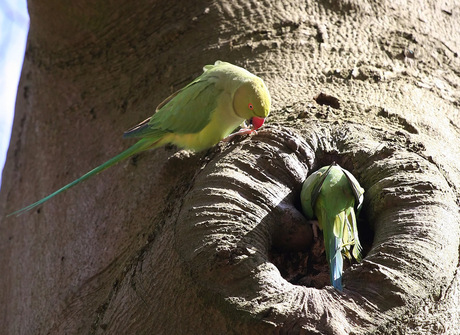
(243, 131)
(314, 227)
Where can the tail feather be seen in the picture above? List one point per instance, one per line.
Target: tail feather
(142, 145)
(333, 246)
(336, 264)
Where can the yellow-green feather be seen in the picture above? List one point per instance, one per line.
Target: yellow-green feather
(330, 194)
(196, 117)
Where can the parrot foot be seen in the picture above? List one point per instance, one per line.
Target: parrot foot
(314, 227)
(243, 131)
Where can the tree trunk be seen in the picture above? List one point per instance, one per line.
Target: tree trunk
(172, 242)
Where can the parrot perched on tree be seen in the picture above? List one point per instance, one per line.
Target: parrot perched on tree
(196, 117)
(334, 196)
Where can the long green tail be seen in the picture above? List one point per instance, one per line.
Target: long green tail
(143, 144)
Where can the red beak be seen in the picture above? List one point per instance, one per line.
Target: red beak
(257, 122)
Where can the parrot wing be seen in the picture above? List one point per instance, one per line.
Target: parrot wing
(352, 227)
(358, 191)
(186, 111)
(307, 193)
(319, 184)
(311, 189)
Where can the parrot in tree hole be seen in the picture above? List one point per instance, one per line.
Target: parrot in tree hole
(334, 196)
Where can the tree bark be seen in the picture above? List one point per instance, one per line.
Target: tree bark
(172, 242)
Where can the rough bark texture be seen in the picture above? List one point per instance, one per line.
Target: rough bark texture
(171, 242)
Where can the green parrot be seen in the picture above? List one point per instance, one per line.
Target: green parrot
(334, 196)
(196, 117)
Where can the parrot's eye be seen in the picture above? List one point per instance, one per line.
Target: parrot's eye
(250, 106)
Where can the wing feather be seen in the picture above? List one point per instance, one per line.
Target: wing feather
(187, 111)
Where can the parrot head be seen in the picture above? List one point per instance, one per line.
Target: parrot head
(251, 101)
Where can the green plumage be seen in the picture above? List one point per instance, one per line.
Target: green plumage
(200, 96)
(196, 117)
(334, 197)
